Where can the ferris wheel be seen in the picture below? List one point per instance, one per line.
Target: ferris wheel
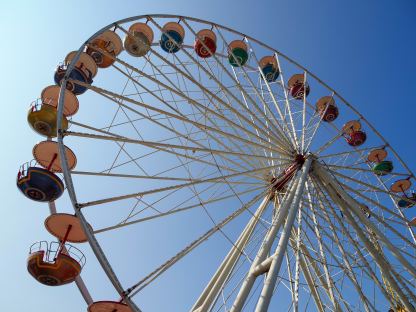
(204, 165)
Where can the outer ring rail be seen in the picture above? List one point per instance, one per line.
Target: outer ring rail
(67, 175)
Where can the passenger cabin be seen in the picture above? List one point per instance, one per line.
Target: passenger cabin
(37, 179)
(269, 68)
(402, 186)
(43, 114)
(42, 118)
(38, 183)
(237, 53)
(298, 87)
(381, 166)
(104, 48)
(83, 72)
(353, 134)
(205, 43)
(139, 40)
(409, 202)
(54, 264)
(172, 37)
(327, 109)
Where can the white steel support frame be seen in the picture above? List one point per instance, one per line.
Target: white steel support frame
(349, 207)
(211, 291)
(254, 272)
(328, 281)
(277, 257)
(303, 263)
(356, 210)
(287, 211)
(344, 257)
(297, 263)
(369, 270)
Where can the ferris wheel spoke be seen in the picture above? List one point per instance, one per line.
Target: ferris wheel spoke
(170, 151)
(284, 127)
(222, 88)
(316, 229)
(287, 102)
(187, 136)
(245, 101)
(110, 94)
(237, 146)
(400, 217)
(358, 249)
(354, 243)
(133, 290)
(365, 170)
(347, 201)
(203, 114)
(326, 281)
(348, 272)
(347, 269)
(302, 147)
(329, 284)
(121, 146)
(372, 187)
(190, 158)
(155, 177)
(168, 195)
(193, 102)
(188, 131)
(278, 130)
(289, 272)
(163, 189)
(286, 99)
(174, 210)
(353, 151)
(311, 129)
(297, 262)
(162, 146)
(317, 126)
(197, 159)
(316, 271)
(310, 280)
(384, 266)
(399, 235)
(328, 144)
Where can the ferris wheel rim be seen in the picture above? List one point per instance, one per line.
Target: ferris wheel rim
(67, 174)
(294, 62)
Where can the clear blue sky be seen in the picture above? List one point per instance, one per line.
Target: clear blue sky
(363, 49)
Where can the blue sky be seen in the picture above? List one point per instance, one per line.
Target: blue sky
(363, 49)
